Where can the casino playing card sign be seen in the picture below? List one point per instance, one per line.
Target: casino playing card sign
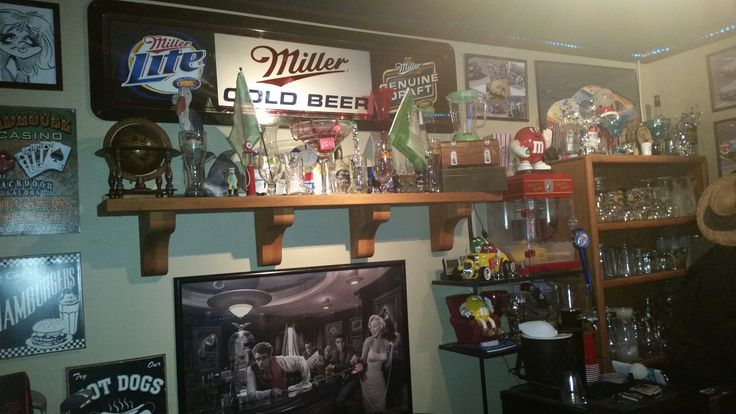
(39, 191)
(133, 386)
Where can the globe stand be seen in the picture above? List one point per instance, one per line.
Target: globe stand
(139, 151)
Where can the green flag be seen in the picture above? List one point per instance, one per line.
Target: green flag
(405, 134)
(245, 123)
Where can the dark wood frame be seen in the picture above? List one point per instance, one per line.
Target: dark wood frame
(724, 131)
(560, 80)
(103, 13)
(382, 282)
(716, 61)
(58, 77)
(493, 103)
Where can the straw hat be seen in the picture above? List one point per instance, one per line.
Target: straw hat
(717, 211)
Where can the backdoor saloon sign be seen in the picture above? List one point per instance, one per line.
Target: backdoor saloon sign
(138, 61)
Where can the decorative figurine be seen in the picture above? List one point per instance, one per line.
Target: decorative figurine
(232, 182)
(529, 145)
(189, 120)
(480, 308)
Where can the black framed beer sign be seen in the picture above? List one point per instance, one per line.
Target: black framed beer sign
(141, 55)
(131, 386)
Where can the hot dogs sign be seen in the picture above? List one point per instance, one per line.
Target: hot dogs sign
(134, 386)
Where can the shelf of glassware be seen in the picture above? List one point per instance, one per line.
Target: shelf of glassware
(274, 214)
(623, 171)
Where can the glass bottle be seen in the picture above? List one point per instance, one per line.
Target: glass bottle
(432, 155)
(659, 127)
(342, 173)
(628, 344)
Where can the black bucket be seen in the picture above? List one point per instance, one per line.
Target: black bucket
(546, 362)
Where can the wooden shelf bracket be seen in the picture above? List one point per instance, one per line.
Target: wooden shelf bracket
(270, 225)
(364, 222)
(443, 219)
(154, 231)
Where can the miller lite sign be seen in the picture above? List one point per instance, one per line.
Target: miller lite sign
(287, 76)
(163, 63)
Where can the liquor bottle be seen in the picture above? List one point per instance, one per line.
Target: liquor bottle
(660, 129)
(342, 173)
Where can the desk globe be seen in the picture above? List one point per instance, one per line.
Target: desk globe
(138, 150)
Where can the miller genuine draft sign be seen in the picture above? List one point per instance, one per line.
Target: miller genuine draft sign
(139, 61)
(39, 191)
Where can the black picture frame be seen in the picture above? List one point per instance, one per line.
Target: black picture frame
(725, 138)
(557, 81)
(503, 81)
(37, 66)
(136, 385)
(116, 27)
(722, 78)
(57, 323)
(290, 306)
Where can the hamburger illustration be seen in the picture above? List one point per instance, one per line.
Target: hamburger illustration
(49, 332)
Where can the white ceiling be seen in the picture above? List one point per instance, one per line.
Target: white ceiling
(612, 29)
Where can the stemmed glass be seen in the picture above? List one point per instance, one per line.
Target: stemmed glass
(271, 169)
(383, 164)
(270, 166)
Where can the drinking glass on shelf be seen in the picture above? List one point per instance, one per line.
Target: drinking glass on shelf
(406, 174)
(271, 169)
(383, 164)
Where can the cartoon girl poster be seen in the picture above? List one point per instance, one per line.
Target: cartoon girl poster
(29, 40)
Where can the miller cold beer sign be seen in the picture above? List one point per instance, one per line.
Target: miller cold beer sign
(294, 77)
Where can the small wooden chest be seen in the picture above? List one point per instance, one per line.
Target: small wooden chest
(470, 153)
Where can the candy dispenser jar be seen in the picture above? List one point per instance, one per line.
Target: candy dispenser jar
(532, 226)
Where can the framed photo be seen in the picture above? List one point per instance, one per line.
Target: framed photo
(55, 320)
(725, 137)
(31, 58)
(209, 347)
(332, 331)
(722, 78)
(356, 325)
(127, 386)
(576, 86)
(264, 318)
(503, 82)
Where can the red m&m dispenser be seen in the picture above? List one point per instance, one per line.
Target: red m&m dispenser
(532, 225)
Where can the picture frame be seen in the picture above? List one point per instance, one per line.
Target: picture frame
(136, 385)
(37, 66)
(285, 309)
(503, 82)
(722, 78)
(356, 325)
(725, 138)
(221, 44)
(558, 81)
(57, 323)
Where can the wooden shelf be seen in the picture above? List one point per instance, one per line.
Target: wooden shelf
(476, 284)
(646, 224)
(626, 171)
(639, 279)
(274, 214)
